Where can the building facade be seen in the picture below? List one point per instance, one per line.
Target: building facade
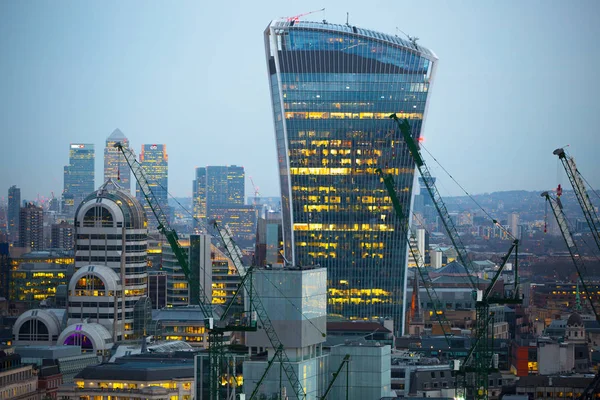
(155, 162)
(115, 165)
(31, 227)
(79, 174)
(111, 243)
(33, 283)
(62, 236)
(198, 250)
(14, 205)
(333, 88)
(224, 186)
(199, 197)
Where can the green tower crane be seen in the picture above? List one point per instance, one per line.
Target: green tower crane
(475, 382)
(215, 325)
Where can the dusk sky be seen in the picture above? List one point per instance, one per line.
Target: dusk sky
(515, 80)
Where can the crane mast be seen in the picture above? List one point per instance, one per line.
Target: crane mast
(436, 197)
(216, 328)
(557, 210)
(480, 352)
(388, 181)
(581, 193)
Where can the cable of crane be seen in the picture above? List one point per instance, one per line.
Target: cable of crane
(266, 277)
(590, 186)
(293, 305)
(495, 221)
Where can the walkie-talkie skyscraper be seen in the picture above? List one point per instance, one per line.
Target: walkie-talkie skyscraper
(333, 88)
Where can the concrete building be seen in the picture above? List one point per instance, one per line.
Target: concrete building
(368, 375)
(295, 301)
(39, 327)
(110, 260)
(115, 165)
(63, 236)
(31, 227)
(333, 88)
(14, 206)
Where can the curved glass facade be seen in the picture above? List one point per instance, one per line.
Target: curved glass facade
(333, 88)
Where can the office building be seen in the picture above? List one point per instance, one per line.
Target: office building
(199, 197)
(115, 165)
(151, 378)
(224, 186)
(14, 206)
(157, 289)
(79, 174)
(155, 162)
(31, 227)
(240, 219)
(110, 278)
(333, 88)
(268, 242)
(32, 283)
(198, 251)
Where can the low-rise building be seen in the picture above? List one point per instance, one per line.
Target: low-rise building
(552, 387)
(134, 379)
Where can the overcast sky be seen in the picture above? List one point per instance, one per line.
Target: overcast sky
(515, 80)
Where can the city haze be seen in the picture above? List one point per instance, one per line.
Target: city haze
(515, 80)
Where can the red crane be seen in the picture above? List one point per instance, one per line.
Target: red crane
(297, 17)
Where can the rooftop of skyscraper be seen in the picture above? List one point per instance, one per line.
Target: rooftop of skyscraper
(117, 134)
(326, 26)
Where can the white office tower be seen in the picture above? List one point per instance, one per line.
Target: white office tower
(295, 301)
(110, 282)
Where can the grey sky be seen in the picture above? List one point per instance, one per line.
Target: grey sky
(516, 79)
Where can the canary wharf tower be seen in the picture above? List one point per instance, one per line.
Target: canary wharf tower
(333, 88)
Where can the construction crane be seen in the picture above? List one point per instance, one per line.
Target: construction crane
(480, 352)
(438, 202)
(388, 181)
(236, 256)
(297, 17)
(216, 327)
(557, 210)
(345, 361)
(581, 193)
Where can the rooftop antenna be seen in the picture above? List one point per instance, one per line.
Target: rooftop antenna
(347, 18)
(412, 39)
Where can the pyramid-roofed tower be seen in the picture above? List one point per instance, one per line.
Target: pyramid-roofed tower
(115, 165)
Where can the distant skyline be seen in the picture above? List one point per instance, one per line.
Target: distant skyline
(515, 80)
